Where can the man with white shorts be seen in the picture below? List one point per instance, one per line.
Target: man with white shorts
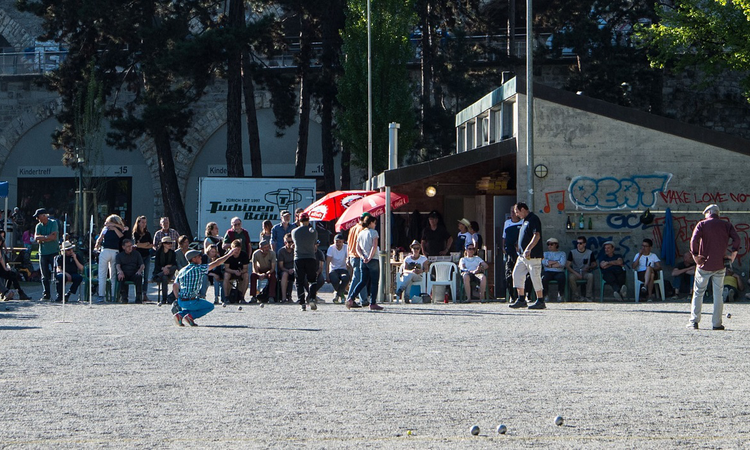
(530, 254)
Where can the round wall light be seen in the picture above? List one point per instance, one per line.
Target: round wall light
(430, 191)
(541, 171)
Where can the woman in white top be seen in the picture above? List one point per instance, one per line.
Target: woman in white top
(367, 250)
(472, 267)
(464, 237)
(412, 269)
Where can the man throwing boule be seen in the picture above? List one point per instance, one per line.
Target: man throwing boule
(187, 287)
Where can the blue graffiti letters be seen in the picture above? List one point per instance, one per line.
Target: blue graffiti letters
(638, 191)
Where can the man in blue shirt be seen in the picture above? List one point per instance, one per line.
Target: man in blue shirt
(187, 287)
(46, 235)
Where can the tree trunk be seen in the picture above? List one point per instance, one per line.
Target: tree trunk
(426, 66)
(235, 167)
(251, 116)
(329, 58)
(346, 176)
(174, 207)
(304, 97)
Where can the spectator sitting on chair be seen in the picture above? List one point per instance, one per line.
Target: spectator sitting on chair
(73, 269)
(682, 274)
(264, 268)
(732, 281)
(183, 245)
(613, 271)
(553, 268)
(581, 263)
(12, 278)
(412, 269)
(472, 268)
(236, 268)
(648, 267)
(165, 266)
(285, 260)
(336, 268)
(130, 267)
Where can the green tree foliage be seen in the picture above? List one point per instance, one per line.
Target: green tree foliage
(601, 38)
(151, 65)
(392, 92)
(709, 34)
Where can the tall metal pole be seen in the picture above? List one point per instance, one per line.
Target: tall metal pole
(369, 99)
(530, 104)
(385, 238)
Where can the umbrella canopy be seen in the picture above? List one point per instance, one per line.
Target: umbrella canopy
(333, 205)
(668, 240)
(373, 204)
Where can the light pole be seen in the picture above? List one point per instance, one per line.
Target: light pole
(369, 99)
(530, 104)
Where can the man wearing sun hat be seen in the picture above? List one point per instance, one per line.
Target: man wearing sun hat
(46, 235)
(73, 269)
(708, 245)
(187, 287)
(553, 268)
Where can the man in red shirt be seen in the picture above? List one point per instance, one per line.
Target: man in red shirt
(708, 247)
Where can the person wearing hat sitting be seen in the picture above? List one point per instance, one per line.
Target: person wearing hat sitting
(130, 267)
(72, 271)
(553, 268)
(187, 287)
(613, 271)
(264, 268)
(165, 265)
(412, 269)
(46, 235)
(472, 269)
(337, 268)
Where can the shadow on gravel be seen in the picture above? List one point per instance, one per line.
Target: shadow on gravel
(260, 328)
(443, 312)
(18, 328)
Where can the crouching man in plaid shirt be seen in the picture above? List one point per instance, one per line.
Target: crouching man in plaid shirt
(187, 287)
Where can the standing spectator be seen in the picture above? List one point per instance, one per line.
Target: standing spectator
(144, 246)
(213, 238)
(613, 271)
(464, 237)
(215, 275)
(165, 231)
(266, 231)
(238, 233)
(46, 235)
(264, 268)
(305, 264)
(285, 260)
(280, 230)
(708, 245)
(336, 268)
(530, 256)
(581, 263)
(187, 288)
(72, 273)
(130, 267)
(367, 250)
(472, 268)
(436, 241)
(510, 249)
(354, 262)
(412, 269)
(683, 273)
(647, 267)
(165, 265)
(474, 230)
(183, 245)
(109, 243)
(553, 266)
(236, 268)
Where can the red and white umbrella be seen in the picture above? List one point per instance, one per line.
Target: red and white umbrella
(333, 205)
(373, 204)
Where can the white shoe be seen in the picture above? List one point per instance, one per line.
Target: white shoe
(624, 292)
(618, 297)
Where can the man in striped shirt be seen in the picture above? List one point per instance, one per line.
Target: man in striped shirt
(187, 287)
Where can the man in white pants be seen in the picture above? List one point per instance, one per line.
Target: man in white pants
(530, 254)
(708, 247)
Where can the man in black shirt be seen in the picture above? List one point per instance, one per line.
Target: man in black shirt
(530, 254)
(130, 267)
(436, 241)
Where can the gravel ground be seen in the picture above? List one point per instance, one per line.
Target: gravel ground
(413, 376)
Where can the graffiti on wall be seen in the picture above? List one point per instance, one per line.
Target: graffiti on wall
(554, 197)
(637, 191)
(672, 197)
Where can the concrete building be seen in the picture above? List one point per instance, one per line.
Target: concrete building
(592, 160)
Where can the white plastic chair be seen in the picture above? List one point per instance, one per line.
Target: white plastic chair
(445, 274)
(638, 284)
